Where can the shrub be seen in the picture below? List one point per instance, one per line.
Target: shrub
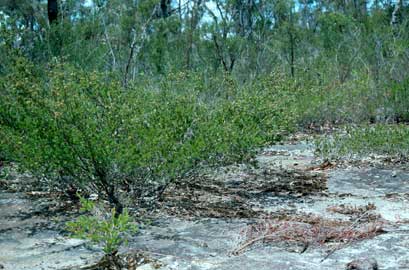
(64, 127)
(338, 103)
(84, 129)
(364, 140)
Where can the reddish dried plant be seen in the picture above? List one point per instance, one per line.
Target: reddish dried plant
(307, 231)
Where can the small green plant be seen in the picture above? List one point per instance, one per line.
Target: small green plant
(110, 231)
(4, 172)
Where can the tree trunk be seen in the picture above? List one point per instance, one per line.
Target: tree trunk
(113, 200)
(109, 189)
(165, 8)
(52, 7)
(194, 20)
(292, 54)
(395, 19)
(291, 36)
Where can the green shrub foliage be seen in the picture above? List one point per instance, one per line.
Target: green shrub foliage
(85, 129)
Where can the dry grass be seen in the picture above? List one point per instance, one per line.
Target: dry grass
(307, 230)
(346, 209)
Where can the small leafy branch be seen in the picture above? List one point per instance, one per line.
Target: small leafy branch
(111, 231)
(4, 172)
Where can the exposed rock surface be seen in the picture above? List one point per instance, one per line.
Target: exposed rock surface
(30, 235)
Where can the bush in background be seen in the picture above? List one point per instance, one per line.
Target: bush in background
(360, 141)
